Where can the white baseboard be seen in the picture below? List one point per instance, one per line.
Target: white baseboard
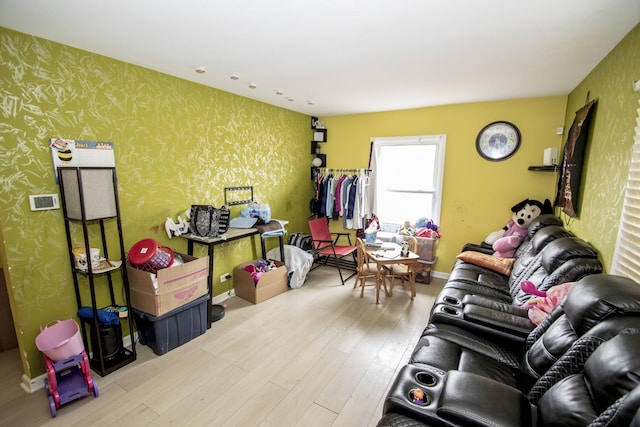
(223, 297)
(440, 275)
(31, 385)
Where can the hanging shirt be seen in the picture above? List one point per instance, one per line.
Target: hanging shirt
(336, 200)
(325, 194)
(330, 195)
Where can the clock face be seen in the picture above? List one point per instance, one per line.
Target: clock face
(498, 141)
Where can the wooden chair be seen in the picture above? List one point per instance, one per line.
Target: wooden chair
(402, 271)
(366, 268)
(325, 246)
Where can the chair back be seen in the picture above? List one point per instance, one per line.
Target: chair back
(413, 244)
(362, 255)
(319, 229)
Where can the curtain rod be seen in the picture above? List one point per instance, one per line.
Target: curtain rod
(345, 169)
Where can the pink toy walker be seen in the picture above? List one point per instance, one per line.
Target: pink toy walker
(68, 372)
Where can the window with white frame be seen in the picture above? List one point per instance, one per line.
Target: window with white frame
(407, 173)
(626, 258)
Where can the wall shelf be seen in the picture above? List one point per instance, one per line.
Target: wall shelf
(551, 168)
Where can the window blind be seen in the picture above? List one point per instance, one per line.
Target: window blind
(626, 259)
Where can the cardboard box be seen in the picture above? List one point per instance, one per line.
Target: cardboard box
(176, 285)
(271, 283)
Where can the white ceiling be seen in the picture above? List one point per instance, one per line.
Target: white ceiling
(346, 56)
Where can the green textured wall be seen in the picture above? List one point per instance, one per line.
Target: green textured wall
(609, 146)
(176, 143)
(179, 143)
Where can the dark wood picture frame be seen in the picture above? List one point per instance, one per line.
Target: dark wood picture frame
(315, 147)
(320, 135)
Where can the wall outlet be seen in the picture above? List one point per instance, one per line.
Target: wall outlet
(224, 277)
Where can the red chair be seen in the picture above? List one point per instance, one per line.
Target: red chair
(325, 246)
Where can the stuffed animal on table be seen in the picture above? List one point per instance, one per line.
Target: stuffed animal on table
(506, 241)
(404, 249)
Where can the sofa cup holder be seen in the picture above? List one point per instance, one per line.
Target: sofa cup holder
(426, 378)
(450, 310)
(452, 300)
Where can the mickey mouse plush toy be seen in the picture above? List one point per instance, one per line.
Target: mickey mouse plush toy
(506, 241)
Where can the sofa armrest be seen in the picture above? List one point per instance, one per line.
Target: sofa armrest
(495, 305)
(483, 247)
(472, 400)
(505, 322)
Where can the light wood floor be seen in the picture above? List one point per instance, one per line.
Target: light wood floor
(315, 356)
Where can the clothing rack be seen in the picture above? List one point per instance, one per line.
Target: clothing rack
(343, 170)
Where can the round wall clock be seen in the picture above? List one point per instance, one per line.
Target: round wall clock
(498, 141)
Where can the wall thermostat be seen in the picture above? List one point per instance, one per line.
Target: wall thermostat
(42, 202)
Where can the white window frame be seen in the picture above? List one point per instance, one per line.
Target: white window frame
(439, 141)
(626, 256)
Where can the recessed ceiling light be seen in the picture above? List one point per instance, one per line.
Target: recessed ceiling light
(279, 92)
(310, 102)
(253, 85)
(234, 77)
(291, 99)
(201, 70)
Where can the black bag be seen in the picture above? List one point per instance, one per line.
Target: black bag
(207, 221)
(301, 240)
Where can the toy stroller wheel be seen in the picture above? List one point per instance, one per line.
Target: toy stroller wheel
(52, 406)
(96, 393)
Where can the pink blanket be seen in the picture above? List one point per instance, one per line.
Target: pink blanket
(540, 307)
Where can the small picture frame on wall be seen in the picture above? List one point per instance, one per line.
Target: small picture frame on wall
(320, 135)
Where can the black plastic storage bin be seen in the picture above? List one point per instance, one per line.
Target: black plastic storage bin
(170, 330)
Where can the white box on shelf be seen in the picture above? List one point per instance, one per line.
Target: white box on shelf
(550, 156)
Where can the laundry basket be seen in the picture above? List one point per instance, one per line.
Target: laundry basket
(60, 340)
(149, 255)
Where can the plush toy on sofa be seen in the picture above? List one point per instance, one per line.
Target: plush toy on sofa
(544, 301)
(506, 241)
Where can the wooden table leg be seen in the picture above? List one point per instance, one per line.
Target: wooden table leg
(378, 284)
(412, 279)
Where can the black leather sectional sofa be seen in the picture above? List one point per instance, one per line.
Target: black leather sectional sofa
(481, 362)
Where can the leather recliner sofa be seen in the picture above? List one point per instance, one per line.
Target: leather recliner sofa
(470, 380)
(480, 360)
(602, 391)
(488, 302)
(599, 308)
